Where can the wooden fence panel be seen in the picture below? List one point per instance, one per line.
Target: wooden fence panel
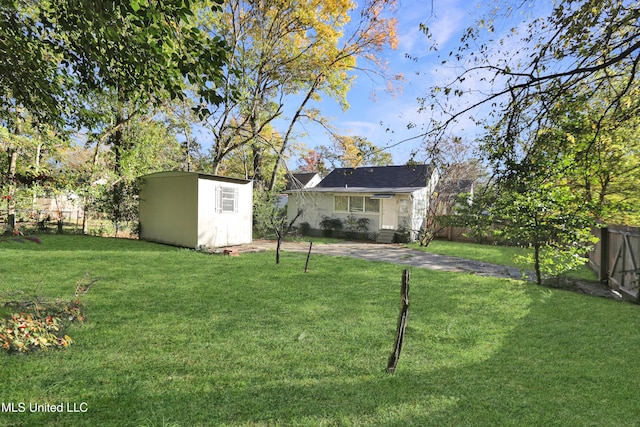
(616, 259)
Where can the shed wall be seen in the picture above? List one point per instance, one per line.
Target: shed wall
(168, 210)
(216, 228)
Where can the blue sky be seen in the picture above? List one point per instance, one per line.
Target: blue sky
(384, 121)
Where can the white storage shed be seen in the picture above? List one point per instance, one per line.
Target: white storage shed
(191, 209)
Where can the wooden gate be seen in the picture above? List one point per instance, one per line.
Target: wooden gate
(616, 261)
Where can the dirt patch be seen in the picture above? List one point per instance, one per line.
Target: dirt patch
(586, 287)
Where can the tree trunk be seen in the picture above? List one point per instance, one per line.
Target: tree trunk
(402, 322)
(278, 245)
(294, 120)
(85, 223)
(536, 254)
(257, 166)
(37, 171)
(11, 200)
(118, 145)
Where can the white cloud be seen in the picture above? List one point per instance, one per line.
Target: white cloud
(447, 25)
(385, 121)
(361, 128)
(443, 24)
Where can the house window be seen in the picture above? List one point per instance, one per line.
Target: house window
(356, 204)
(404, 217)
(360, 204)
(341, 204)
(371, 205)
(227, 200)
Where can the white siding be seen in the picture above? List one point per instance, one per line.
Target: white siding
(181, 208)
(218, 225)
(315, 206)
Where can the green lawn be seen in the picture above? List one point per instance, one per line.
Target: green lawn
(180, 338)
(493, 254)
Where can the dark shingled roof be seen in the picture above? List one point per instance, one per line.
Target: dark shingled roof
(378, 177)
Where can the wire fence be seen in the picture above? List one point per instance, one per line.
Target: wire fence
(61, 221)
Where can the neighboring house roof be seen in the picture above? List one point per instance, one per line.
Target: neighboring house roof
(379, 178)
(299, 180)
(453, 187)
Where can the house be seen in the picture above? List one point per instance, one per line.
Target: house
(191, 209)
(391, 198)
(297, 181)
(65, 207)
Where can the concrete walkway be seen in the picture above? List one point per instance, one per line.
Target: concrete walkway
(397, 254)
(401, 255)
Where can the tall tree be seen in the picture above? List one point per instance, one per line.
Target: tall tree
(141, 50)
(243, 161)
(605, 158)
(150, 147)
(353, 151)
(26, 169)
(561, 91)
(311, 161)
(580, 48)
(290, 51)
(30, 77)
(135, 54)
(596, 155)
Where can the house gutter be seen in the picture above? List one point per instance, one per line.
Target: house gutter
(379, 191)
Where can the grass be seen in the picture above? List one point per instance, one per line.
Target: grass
(179, 338)
(494, 254)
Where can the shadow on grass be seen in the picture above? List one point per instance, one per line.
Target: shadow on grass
(580, 375)
(76, 242)
(477, 352)
(532, 379)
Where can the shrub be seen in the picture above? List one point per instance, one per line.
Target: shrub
(356, 227)
(357, 224)
(28, 324)
(23, 332)
(304, 228)
(330, 224)
(402, 235)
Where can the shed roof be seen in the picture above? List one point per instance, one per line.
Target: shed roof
(379, 177)
(200, 175)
